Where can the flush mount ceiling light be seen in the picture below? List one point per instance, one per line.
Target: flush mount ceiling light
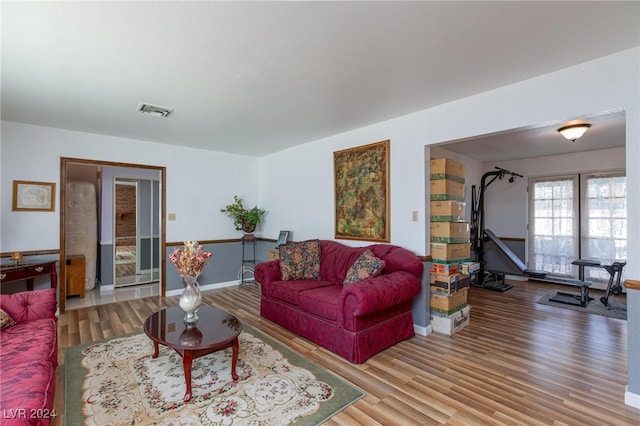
(154, 110)
(574, 131)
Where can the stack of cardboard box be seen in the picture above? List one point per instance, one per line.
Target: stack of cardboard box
(450, 247)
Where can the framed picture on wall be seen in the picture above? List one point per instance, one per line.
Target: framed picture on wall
(361, 178)
(34, 196)
(282, 238)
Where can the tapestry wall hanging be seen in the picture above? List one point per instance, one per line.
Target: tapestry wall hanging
(361, 177)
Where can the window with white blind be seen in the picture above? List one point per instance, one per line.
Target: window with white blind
(577, 216)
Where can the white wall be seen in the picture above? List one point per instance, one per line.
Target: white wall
(296, 185)
(306, 207)
(506, 203)
(199, 182)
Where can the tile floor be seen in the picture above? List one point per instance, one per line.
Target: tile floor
(97, 297)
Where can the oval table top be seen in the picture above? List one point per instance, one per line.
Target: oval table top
(214, 328)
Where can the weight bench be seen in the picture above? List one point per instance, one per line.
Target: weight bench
(615, 269)
(582, 299)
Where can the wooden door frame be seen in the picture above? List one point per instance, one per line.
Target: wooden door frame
(64, 161)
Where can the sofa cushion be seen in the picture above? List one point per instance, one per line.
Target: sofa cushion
(289, 291)
(366, 266)
(300, 260)
(5, 319)
(30, 305)
(30, 387)
(322, 301)
(29, 343)
(337, 259)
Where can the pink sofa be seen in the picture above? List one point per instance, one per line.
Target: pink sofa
(28, 358)
(355, 321)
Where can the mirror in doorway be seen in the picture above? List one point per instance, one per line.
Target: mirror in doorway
(125, 230)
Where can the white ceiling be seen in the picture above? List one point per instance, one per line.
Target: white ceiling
(257, 77)
(607, 131)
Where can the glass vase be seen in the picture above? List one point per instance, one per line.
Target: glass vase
(190, 299)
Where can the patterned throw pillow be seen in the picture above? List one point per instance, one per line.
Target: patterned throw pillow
(5, 319)
(300, 261)
(365, 267)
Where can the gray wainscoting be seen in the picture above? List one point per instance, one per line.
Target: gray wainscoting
(224, 266)
(106, 264)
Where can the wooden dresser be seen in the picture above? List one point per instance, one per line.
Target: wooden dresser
(27, 271)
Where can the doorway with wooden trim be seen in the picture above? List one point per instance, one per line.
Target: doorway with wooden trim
(157, 244)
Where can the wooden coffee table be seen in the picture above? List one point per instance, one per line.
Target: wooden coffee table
(215, 330)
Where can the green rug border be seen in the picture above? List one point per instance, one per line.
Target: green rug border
(348, 393)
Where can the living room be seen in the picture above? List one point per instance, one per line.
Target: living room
(295, 184)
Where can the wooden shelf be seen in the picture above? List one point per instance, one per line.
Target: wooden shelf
(632, 284)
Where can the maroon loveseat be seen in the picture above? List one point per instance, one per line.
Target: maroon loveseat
(28, 358)
(355, 321)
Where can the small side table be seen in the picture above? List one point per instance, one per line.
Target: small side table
(273, 254)
(248, 263)
(75, 276)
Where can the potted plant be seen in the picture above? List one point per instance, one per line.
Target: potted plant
(244, 219)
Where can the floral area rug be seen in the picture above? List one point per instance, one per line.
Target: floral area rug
(116, 382)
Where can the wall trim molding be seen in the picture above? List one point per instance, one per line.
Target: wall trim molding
(31, 252)
(223, 241)
(422, 331)
(630, 398)
(205, 287)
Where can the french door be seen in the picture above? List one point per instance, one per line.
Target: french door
(577, 217)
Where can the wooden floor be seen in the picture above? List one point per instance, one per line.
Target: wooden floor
(517, 363)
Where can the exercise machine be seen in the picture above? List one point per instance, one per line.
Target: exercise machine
(615, 274)
(583, 299)
(495, 280)
(480, 236)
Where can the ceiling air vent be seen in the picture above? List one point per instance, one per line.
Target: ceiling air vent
(154, 110)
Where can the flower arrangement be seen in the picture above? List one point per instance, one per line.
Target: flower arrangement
(191, 260)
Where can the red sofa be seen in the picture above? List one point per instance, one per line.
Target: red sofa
(355, 321)
(28, 358)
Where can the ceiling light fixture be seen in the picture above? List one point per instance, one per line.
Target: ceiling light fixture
(574, 131)
(154, 110)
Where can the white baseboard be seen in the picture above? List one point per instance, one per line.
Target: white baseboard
(178, 292)
(106, 288)
(630, 398)
(421, 330)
